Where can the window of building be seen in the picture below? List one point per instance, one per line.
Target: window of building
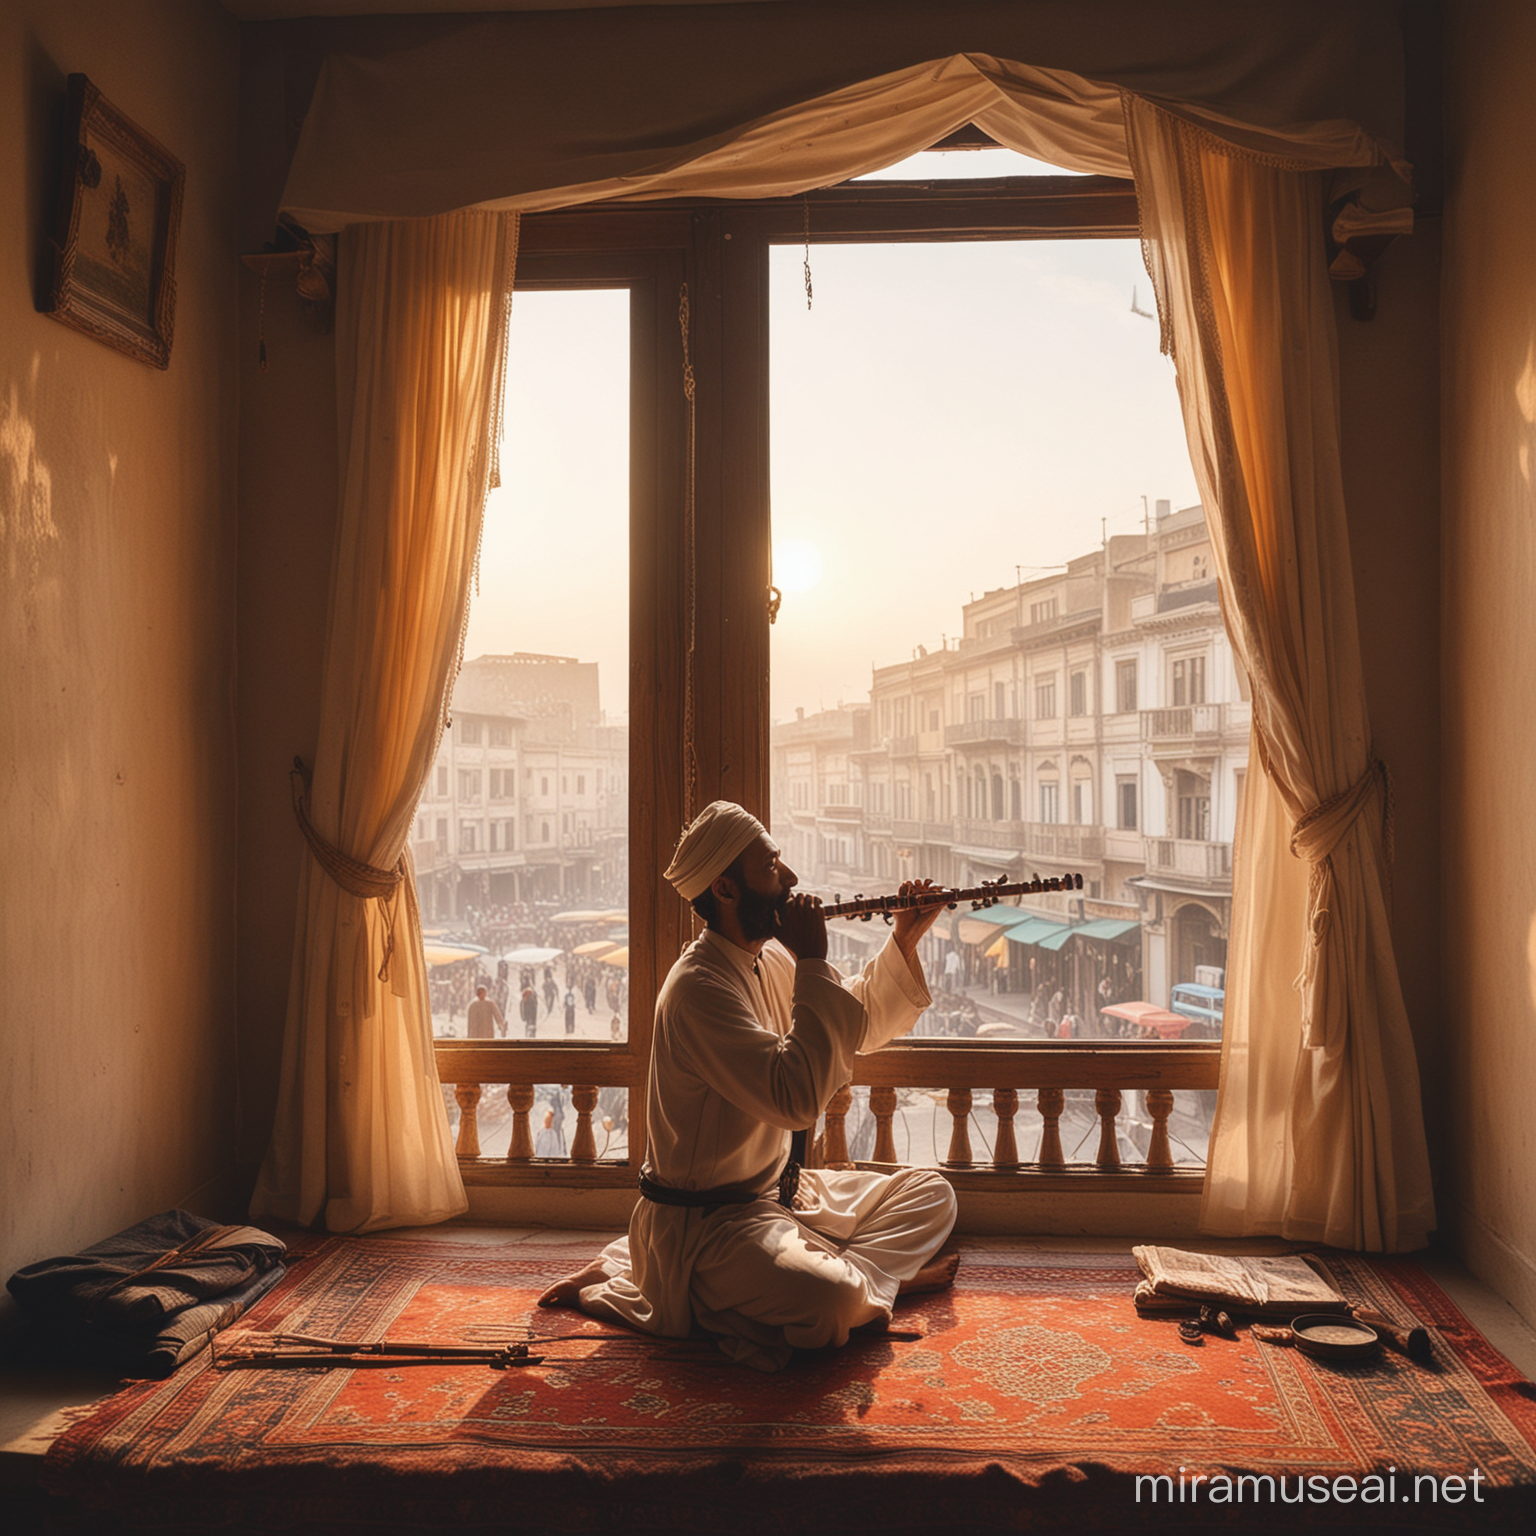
(543, 783)
(1015, 806)
(581, 783)
(442, 837)
(469, 784)
(469, 837)
(1043, 611)
(1050, 803)
(999, 813)
(1082, 802)
(1077, 690)
(1193, 809)
(1125, 687)
(976, 707)
(469, 732)
(1045, 698)
(442, 781)
(1125, 804)
(1189, 680)
(999, 701)
(501, 734)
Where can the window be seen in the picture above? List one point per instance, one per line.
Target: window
(1195, 817)
(544, 784)
(442, 781)
(1125, 687)
(581, 783)
(976, 707)
(1042, 612)
(1082, 802)
(469, 784)
(1189, 680)
(1045, 698)
(997, 797)
(501, 734)
(1078, 694)
(1015, 807)
(999, 701)
(469, 837)
(495, 790)
(1125, 803)
(469, 732)
(442, 837)
(1050, 810)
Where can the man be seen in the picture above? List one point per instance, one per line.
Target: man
(570, 1010)
(528, 1006)
(486, 1020)
(752, 1038)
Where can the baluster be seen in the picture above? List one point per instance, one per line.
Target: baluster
(1159, 1106)
(1005, 1105)
(1050, 1102)
(1106, 1104)
(882, 1105)
(960, 1136)
(468, 1097)
(834, 1135)
(520, 1097)
(583, 1144)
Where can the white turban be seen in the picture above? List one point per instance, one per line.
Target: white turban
(710, 845)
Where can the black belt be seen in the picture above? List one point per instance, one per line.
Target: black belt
(730, 1194)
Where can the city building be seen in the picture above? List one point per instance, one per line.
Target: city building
(1092, 721)
(528, 799)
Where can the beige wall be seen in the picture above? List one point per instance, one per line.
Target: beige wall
(1489, 647)
(117, 665)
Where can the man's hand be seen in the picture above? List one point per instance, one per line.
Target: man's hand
(802, 928)
(914, 922)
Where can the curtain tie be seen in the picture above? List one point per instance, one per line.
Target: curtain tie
(355, 877)
(1314, 838)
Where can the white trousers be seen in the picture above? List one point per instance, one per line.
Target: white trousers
(770, 1280)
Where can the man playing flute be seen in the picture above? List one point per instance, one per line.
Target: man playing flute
(755, 1032)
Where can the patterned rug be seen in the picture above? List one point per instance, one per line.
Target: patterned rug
(1035, 1399)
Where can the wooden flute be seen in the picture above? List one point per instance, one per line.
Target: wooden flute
(987, 894)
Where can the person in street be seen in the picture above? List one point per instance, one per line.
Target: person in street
(529, 1008)
(754, 1033)
(486, 1020)
(551, 991)
(570, 1011)
(589, 991)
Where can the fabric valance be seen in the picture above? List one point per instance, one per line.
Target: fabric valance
(539, 110)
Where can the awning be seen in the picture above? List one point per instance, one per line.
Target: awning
(596, 947)
(451, 954)
(1055, 940)
(1107, 928)
(579, 917)
(1036, 930)
(618, 957)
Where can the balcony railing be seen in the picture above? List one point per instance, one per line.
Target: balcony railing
(1183, 722)
(1207, 862)
(1048, 840)
(1146, 1071)
(979, 733)
(853, 813)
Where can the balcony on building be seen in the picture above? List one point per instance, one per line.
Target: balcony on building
(986, 733)
(1193, 864)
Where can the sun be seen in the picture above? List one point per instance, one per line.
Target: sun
(796, 565)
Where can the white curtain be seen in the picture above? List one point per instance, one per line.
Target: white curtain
(361, 1137)
(1320, 1134)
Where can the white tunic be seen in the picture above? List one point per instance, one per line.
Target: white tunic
(742, 1055)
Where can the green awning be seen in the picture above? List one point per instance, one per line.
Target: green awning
(1106, 928)
(1057, 939)
(1036, 930)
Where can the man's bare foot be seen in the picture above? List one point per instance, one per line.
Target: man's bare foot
(567, 1292)
(938, 1274)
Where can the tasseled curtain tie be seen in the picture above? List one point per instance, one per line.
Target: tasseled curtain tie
(1314, 838)
(352, 875)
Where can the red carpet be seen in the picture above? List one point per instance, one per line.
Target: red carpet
(1034, 1400)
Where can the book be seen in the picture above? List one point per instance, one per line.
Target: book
(1177, 1280)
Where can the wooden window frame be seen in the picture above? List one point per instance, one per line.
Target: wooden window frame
(721, 249)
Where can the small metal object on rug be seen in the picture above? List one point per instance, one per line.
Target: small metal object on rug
(1214, 1320)
(1191, 1332)
(1325, 1337)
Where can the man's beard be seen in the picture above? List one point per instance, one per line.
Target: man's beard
(759, 914)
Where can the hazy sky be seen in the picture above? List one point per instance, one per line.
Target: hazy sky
(942, 415)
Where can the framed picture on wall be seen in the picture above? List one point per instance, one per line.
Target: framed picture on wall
(114, 248)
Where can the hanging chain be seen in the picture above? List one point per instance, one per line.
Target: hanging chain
(690, 753)
(806, 197)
